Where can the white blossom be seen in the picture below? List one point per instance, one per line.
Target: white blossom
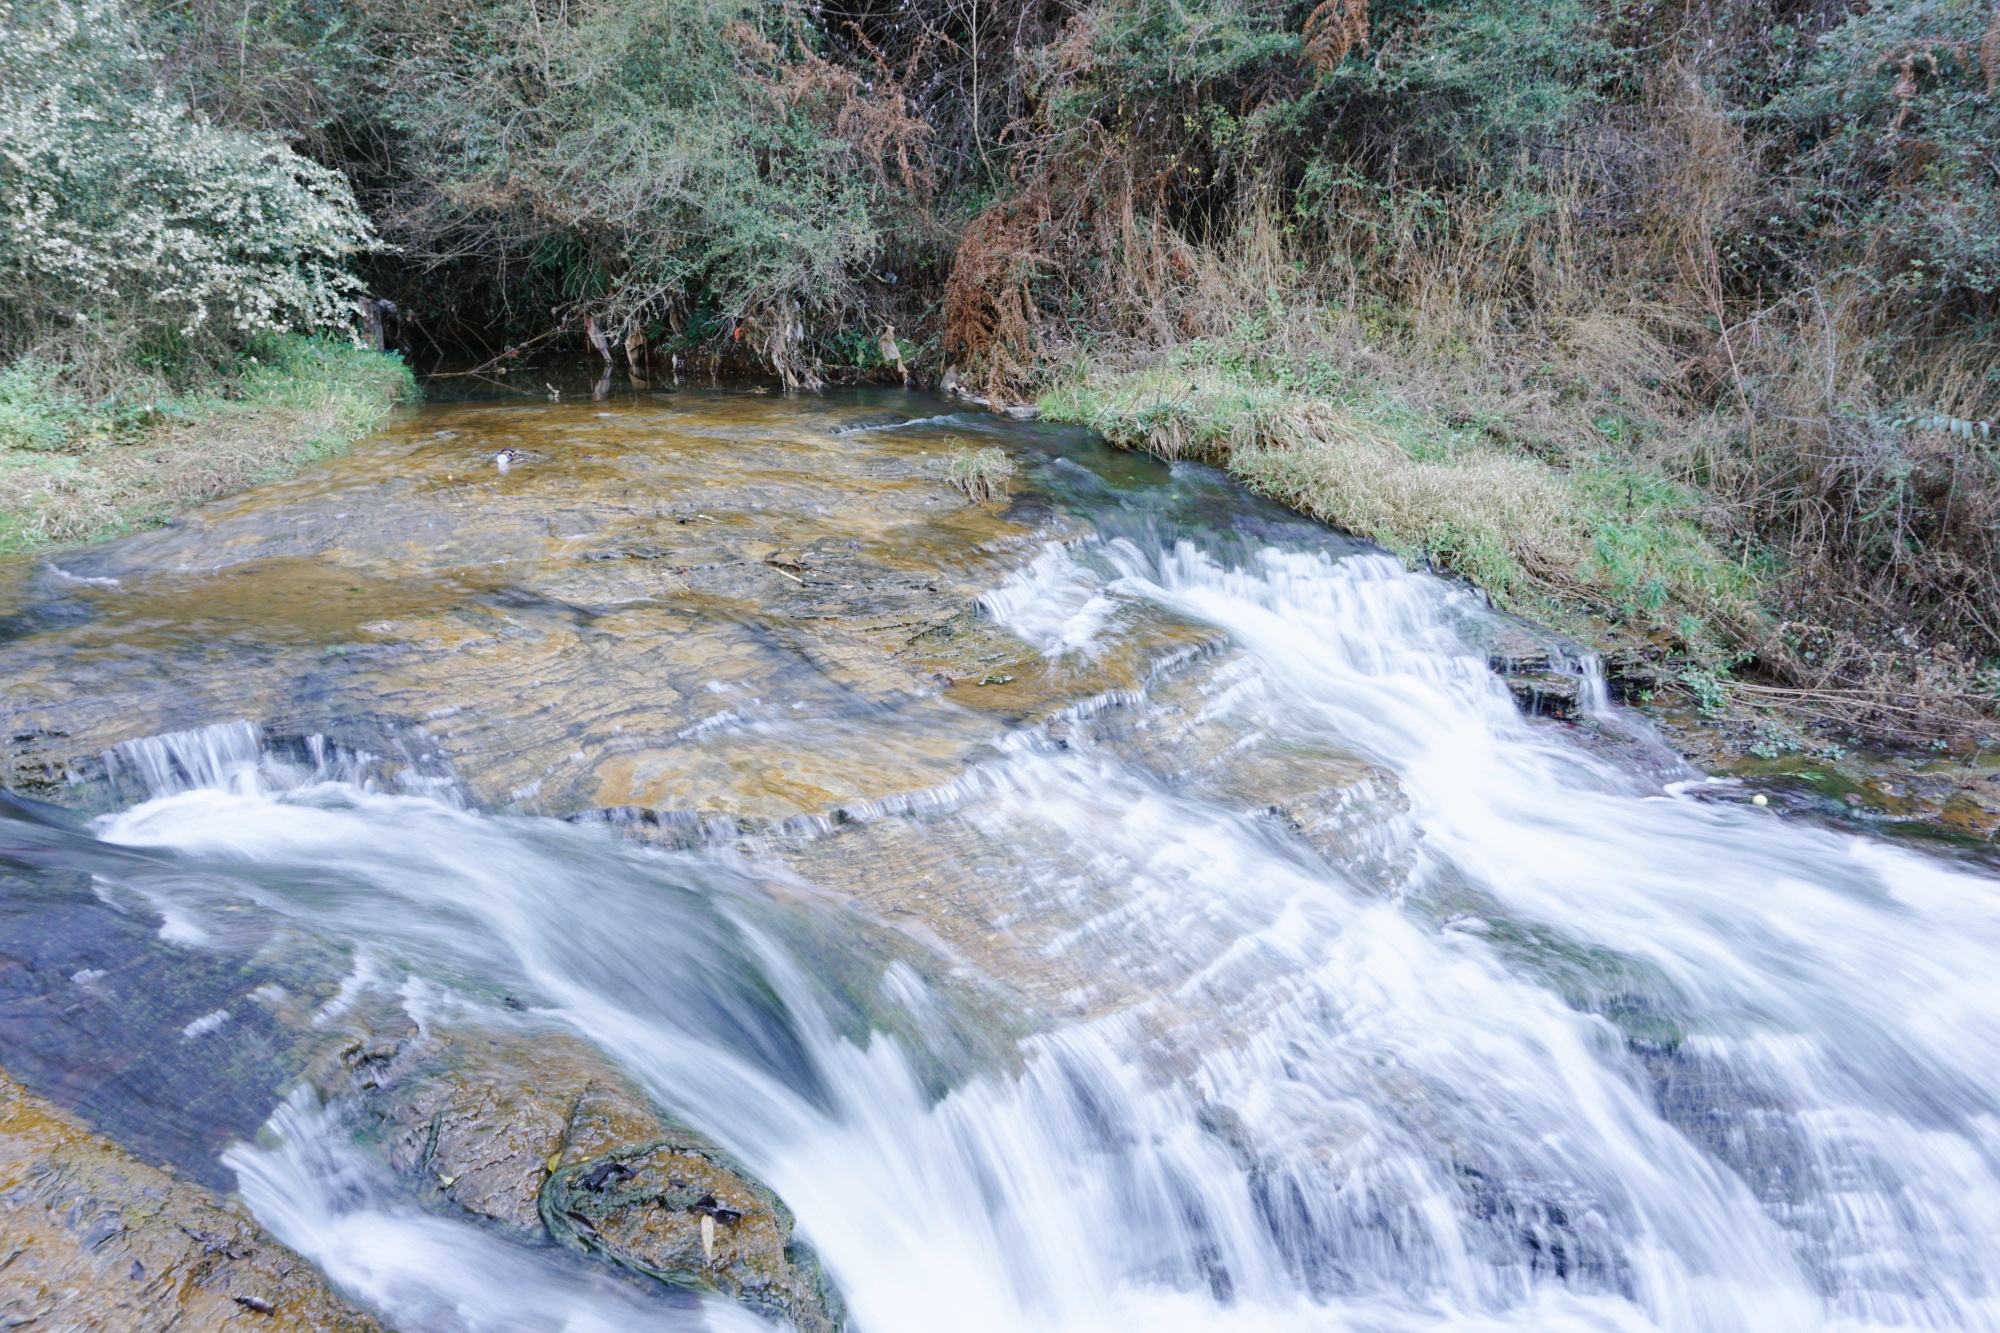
(114, 197)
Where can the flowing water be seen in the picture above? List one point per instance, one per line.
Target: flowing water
(1265, 968)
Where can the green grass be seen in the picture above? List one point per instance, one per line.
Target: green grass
(983, 475)
(73, 471)
(1603, 546)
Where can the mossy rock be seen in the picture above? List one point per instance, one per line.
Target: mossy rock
(539, 1132)
(676, 1209)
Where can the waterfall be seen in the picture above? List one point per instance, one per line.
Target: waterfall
(1544, 1046)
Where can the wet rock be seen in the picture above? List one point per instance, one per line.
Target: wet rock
(1007, 900)
(536, 1131)
(1631, 679)
(93, 1239)
(674, 1209)
(573, 635)
(1908, 792)
(1538, 665)
(173, 1051)
(1514, 649)
(1350, 811)
(1546, 694)
(1972, 810)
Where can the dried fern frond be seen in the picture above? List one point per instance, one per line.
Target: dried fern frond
(1959, 426)
(990, 316)
(1989, 53)
(1332, 30)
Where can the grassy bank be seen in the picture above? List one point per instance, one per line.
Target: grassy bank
(74, 471)
(1559, 517)
(1606, 543)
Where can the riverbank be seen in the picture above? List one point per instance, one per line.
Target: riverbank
(73, 472)
(1608, 551)
(1558, 506)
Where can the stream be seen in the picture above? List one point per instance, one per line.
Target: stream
(1124, 907)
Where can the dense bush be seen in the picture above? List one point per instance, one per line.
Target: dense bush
(651, 162)
(127, 221)
(704, 162)
(691, 168)
(1724, 249)
(1883, 146)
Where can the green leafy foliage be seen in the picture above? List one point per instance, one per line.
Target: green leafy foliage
(625, 152)
(35, 413)
(696, 169)
(1893, 119)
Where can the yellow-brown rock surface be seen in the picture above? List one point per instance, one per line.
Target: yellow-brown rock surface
(93, 1239)
(573, 633)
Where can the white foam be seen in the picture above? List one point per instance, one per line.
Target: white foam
(1292, 1096)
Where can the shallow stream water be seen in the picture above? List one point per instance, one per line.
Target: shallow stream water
(1198, 938)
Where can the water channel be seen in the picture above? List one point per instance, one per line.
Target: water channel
(1124, 907)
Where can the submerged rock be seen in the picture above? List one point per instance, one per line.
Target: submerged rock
(538, 1132)
(92, 1238)
(593, 629)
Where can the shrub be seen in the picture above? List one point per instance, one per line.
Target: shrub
(1895, 116)
(35, 413)
(121, 210)
(695, 169)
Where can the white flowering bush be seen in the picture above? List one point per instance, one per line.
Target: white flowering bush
(118, 203)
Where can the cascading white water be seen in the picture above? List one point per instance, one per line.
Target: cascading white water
(335, 1202)
(1339, 1104)
(1842, 986)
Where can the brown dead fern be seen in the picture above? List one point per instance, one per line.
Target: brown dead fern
(1984, 58)
(1332, 30)
(989, 309)
(1989, 53)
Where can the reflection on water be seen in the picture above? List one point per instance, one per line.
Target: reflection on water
(1243, 958)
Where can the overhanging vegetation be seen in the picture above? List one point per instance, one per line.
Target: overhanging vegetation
(1693, 284)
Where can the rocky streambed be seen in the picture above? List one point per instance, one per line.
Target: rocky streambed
(764, 634)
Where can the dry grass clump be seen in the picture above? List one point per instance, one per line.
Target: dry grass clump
(982, 475)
